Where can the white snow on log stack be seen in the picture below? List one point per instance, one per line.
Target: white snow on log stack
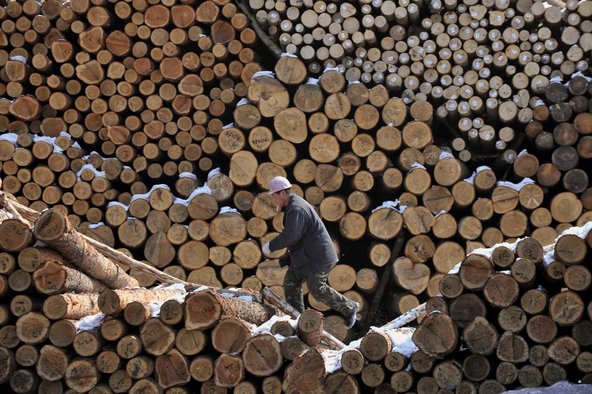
(515, 186)
(146, 196)
(90, 323)
(401, 339)
(396, 205)
(188, 175)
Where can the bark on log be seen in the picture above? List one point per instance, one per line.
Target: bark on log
(53, 277)
(54, 228)
(204, 309)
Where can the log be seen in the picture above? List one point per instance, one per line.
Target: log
(53, 277)
(71, 306)
(230, 335)
(16, 235)
(310, 327)
(262, 355)
(54, 228)
(32, 215)
(204, 309)
(112, 302)
(305, 374)
(437, 335)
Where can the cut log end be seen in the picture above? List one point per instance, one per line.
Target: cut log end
(50, 225)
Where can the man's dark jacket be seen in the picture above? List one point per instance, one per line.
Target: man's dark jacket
(310, 247)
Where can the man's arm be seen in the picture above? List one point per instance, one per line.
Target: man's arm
(293, 229)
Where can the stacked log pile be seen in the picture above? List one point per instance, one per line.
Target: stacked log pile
(148, 84)
(75, 325)
(560, 132)
(162, 92)
(58, 333)
(157, 110)
(483, 65)
(511, 316)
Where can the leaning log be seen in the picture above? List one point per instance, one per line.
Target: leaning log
(53, 228)
(204, 309)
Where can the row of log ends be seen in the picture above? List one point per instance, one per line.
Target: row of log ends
(522, 313)
(520, 310)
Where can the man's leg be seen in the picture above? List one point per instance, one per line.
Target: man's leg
(321, 291)
(293, 289)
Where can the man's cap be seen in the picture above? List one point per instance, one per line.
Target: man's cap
(279, 183)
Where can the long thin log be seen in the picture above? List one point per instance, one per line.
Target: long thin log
(54, 228)
(384, 280)
(289, 310)
(267, 41)
(32, 215)
(403, 319)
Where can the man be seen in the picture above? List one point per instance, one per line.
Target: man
(311, 252)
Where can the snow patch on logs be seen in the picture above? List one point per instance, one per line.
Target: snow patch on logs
(263, 74)
(516, 186)
(396, 205)
(213, 172)
(228, 210)
(471, 179)
(416, 166)
(90, 323)
(188, 175)
(199, 190)
(19, 58)
(10, 137)
(146, 196)
(115, 203)
(445, 154)
(265, 328)
(99, 174)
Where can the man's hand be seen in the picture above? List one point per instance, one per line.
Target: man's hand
(284, 260)
(265, 249)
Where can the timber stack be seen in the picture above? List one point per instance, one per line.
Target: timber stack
(420, 131)
(65, 328)
(67, 324)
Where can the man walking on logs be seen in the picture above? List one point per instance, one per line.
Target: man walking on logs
(311, 254)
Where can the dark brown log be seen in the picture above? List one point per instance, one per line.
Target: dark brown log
(512, 348)
(475, 271)
(501, 290)
(566, 308)
(230, 335)
(228, 370)
(81, 375)
(436, 335)
(481, 336)
(305, 374)
(262, 355)
(375, 346)
(465, 308)
(157, 338)
(15, 235)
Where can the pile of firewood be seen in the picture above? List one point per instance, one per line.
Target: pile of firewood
(420, 131)
(514, 315)
(176, 90)
(72, 318)
(70, 323)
